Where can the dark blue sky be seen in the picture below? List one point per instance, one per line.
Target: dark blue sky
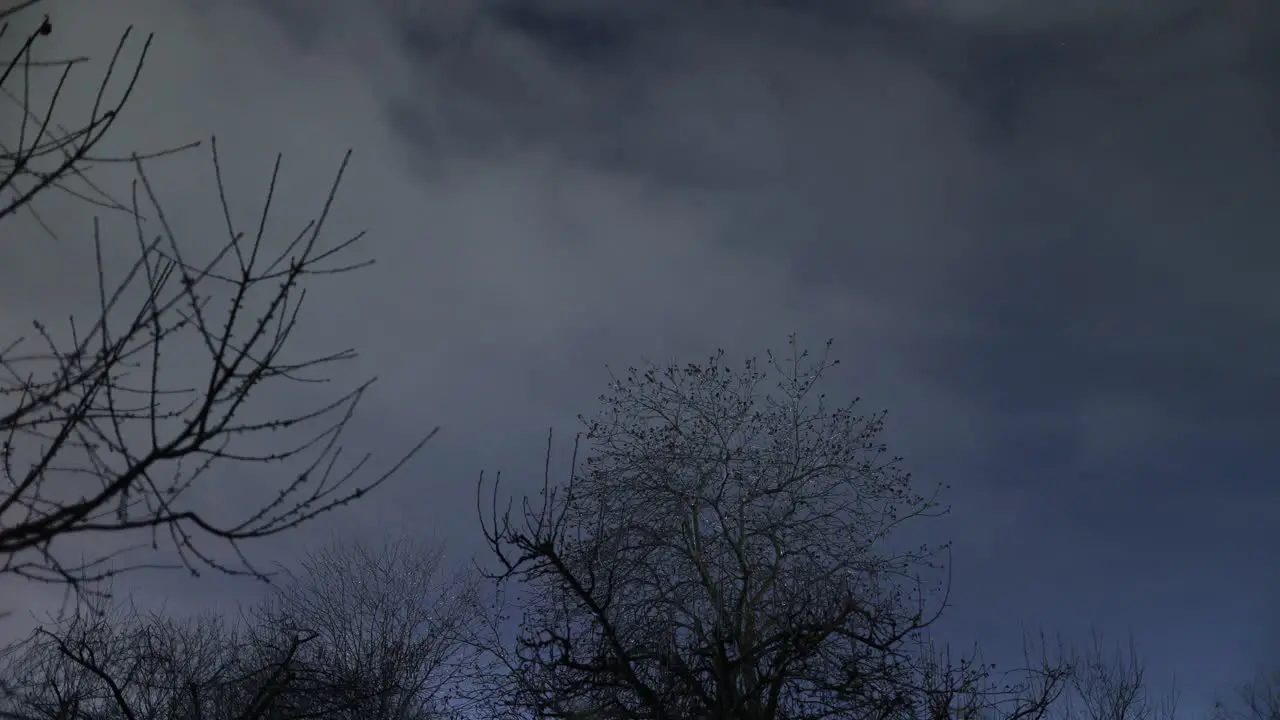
(1043, 237)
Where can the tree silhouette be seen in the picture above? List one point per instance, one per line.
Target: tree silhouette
(728, 550)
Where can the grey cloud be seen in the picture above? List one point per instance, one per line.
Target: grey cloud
(923, 176)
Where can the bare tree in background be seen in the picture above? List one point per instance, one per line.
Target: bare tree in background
(727, 551)
(391, 630)
(96, 438)
(1258, 699)
(1113, 685)
(951, 687)
(125, 665)
(361, 633)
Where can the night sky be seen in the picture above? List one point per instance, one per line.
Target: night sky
(1042, 235)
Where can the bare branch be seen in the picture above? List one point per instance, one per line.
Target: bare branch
(102, 432)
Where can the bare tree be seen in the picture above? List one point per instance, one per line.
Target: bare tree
(1257, 699)
(966, 687)
(726, 551)
(361, 633)
(1113, 685)
(126, 665)
(391, 629)
(97, 437)
(1098, 683)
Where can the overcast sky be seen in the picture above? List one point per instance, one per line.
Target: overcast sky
(1043, 235)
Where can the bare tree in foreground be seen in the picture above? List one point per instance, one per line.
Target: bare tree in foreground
(727, 551)
(97, 440)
